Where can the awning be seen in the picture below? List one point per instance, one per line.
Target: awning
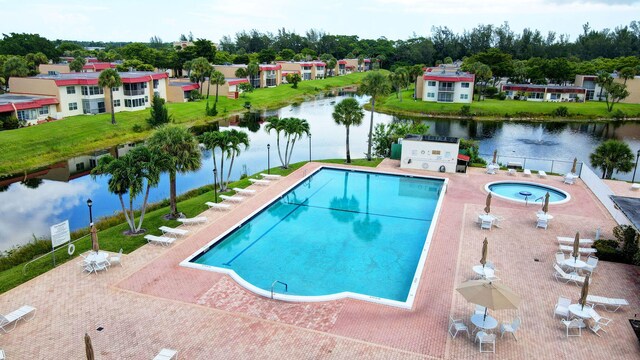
(464, 157)
(630, 207)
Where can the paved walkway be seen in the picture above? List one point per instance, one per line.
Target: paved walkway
(151, 302)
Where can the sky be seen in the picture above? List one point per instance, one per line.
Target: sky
(118, 20)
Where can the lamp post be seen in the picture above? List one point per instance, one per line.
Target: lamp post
(215, 184)
(635, 168)
(309, 147)
(268, 159)
(89, 204)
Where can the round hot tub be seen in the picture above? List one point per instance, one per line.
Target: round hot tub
(527, 192)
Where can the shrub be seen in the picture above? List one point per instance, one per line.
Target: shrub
(490, 91)
(501, 95)
(608, 250)
(159, 113)
(194, 95)
(618, 114)
(560, 111)
(211, 111)
(465, 110)
(10, 123)
(628, 236)
(137, 128)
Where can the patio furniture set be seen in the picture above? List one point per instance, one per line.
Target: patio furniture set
(492, 169)
(576, 317)
(96, 261)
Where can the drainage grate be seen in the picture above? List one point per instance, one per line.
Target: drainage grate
(100, 328)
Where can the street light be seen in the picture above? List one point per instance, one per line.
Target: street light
(215, 184)
(268, 159)
(635, 168)
(89, 204)
(309, 147)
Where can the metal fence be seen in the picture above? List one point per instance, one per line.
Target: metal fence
(603, 193)
(532, 163)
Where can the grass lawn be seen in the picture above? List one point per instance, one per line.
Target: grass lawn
(112, 239)
(491, 108)
(36, 146)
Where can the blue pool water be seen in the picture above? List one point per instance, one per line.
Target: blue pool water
(512, 190)
(337, 231)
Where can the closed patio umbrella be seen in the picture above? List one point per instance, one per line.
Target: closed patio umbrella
(487, 208)
(94, 238)
(576, 246)
(575, 163)
(545, 204)
(485, 245)
(489, 294)
(88, 347)
(495, 156)
(585, 292)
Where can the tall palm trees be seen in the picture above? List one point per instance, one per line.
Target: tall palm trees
(374, 84)
(229, 142)
(414, 72)
(399, 79)
(217, 79)
(110, 78)
(183, 155)
(293, 129)
(348, 112)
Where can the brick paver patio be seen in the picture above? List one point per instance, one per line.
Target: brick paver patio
(151, 302)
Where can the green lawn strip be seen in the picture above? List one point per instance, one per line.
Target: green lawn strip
(491, 108)
(42, 145)
(112, 238)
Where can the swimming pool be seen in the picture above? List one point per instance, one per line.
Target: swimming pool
(336, 233)
(516, 191)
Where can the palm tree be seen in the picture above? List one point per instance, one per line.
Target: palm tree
(151, 163)
(229, 142)
(236, 139)
(399, 78)
(414, 72)
(253, 69)
(603, 78)
(110, 78)
(348, 112)
(183, 155)
(217, 79)
(612, 155)
(627, 73)
(211, 141)
(293, 128)
(200, 71)
(374, 84)
(242, 73)
(276, 124)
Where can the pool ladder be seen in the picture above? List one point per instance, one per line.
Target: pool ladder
(286, 287)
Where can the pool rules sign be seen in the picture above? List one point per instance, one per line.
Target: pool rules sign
(60, 234)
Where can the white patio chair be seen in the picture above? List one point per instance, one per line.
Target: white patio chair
(542, 174)
(244, 191)
(217, 206)
(560, 275)
(570, 240)
(2, 355)
(511, 172)
(490, 265)
(542, 224)
(562, 307)
(271, 176)
(511, 328)
(99, 266)
(560, 258)
(457, 325)
(480, 310)
(160, 240)
(526, 173)
(485, 338)
(574, 324)
(260, 182)
(592, 262)
(172, 231)
(581, 250)
(486, 224)
(234, 198)
(599, 322)
(116, 259)
(569, 180)
(194, 220)
(490, 275)
(635, 187)
(25, 313)
(609, 304)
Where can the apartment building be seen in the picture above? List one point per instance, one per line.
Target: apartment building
(308, 70)
(29, 109)
(179, 90)
(442, 84)
(52, 69)
(596, 92)
(553, 93)
(348, 66)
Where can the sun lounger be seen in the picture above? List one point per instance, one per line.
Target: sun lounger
(271, 176)
(560, 275)
(234, 198)
(25, 313)
(217, 206)
(172, 231)
(167, 354)
(569, 179)
(526, 172)
(2, 356)
(244, 191)
(606, 302)
(581, 250)
(570, 240)
(542, 174)
(195, 220)
(635, 187)
(260, 182)
(160, 240)
(512, 172)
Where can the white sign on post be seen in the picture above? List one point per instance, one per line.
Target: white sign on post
(60, 233)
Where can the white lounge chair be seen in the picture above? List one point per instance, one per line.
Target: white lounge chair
(569, 179)
(260, 182)
(167, 354)
(574, 324)
(599, 322)
(560, 258)
(511, 172)
(635, 187)
(160, 240)
(457, 325)
(570, 240)
(541, 223)
(491, 170)
(194, 220)
(234, 198)
(560, 275)
(542, 174)
(217, 206)
(562, 307)
(173, 231)
(581, 250)
(271, 176)
(244, 191)
(511, 328)
(116, 259)
(25, 313)
(526, 173)
(2, 356)
(486, 339)
(606, 303)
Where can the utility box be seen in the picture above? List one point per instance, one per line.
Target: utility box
(396, 151)
(427, 152)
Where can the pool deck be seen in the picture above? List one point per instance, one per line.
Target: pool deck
(152, 303)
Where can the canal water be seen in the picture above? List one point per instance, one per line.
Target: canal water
(31, 203)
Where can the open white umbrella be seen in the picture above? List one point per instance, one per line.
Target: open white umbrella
(489, 294)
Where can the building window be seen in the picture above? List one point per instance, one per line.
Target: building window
(464, 96)
(73, 106)
(555, 96)
(431, 95)
(28, 114)
(155, 84)
(133, 102)
(91, 90)
(146, 99)
(117, 88)
(116, 103)
(79, 166)
(431, 83)
(44, 110)
(536, 95)
(464, 85)
(445, 97)
(134, 89)
(71, 90)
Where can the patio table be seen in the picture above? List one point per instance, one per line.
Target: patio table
(481, 322)
(577, 310)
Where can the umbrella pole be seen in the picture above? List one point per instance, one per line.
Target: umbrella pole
(485, 315)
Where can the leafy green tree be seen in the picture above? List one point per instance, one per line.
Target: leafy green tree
(482, 74)
(134, 65)
(14, 66)
(182, 156)
(34, 60)
(286, 54)
(23, 44)
(77, 64)
(245, 88)
(348, 113)
(217, 79)
(266, 56)
(253, 69)
(603, 79)
(399, 79)
(376, 85)
(291, 128)
(205, 48)
(612, 155)
(159, 112)
(10, 123)
(294, 79)
(627, 73)
(110, 78)
(614, 93)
